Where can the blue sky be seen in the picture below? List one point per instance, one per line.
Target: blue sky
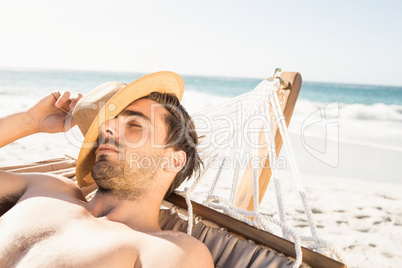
(327, 41)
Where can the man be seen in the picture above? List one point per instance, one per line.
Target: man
(138, 148)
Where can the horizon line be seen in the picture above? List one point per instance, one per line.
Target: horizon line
(14, 68)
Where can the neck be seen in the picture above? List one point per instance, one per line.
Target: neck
(139, 214)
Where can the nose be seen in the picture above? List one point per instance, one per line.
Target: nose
(109, 128)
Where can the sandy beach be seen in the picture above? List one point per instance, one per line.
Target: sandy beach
(357, 205)
(362, 219)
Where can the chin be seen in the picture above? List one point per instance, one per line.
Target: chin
(105, 169)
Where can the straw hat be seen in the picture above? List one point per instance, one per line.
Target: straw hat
(105, 102)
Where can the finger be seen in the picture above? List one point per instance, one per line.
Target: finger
(64, 96)
(74, 100)
(56, 95)
(63, 102)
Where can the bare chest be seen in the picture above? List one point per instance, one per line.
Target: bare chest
(48, 232)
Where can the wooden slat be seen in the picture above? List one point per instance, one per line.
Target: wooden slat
(244, 196)
(66, 172)
(54, 160)
(46, 167)
(274, 242)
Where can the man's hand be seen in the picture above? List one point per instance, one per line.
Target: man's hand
(53, 113)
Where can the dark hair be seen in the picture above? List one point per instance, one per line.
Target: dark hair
(181, 135)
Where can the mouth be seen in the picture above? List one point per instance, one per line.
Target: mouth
(106, 149)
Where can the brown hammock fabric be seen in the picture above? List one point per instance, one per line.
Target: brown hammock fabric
(227, 249)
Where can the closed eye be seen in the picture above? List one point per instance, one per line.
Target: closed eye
(133, 121)
(134, 124)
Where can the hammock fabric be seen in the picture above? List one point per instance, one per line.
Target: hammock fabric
(227, 249)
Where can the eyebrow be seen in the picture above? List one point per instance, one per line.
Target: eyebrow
(134, 113)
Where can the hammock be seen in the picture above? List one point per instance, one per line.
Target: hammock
(230, 224)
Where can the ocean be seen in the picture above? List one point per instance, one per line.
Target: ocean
(365, 114)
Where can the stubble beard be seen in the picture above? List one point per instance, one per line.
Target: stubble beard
(117, 178)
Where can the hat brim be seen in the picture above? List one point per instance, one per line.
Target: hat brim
(163, 82)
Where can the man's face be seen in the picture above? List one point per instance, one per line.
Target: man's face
(131, 150)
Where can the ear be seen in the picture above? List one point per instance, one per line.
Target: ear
(176, 162)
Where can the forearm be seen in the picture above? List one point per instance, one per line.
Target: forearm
(16, 126)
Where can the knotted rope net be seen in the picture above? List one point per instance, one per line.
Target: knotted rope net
(238, 137)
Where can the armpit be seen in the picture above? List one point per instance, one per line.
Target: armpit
(7, 202)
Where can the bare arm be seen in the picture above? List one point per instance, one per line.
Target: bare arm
(14, 186)
(51, 114)
(14, 127)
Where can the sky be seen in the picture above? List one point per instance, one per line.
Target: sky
(326, 41)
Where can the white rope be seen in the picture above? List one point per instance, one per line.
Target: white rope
(186, 194)
(190, 213)
(259, 222)
(321, 244)
(272, 162)
(292, 160)
(235, 184)
(215, 179)
(292, 233)
(260, 101)
(256, 179)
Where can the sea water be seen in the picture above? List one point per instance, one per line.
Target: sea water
(360, 114)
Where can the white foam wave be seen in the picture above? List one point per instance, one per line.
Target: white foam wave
(357, 111)
(378, 111)
(376, 125)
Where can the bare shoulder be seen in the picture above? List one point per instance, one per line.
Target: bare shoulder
(23, 185)
(33, 178)
(51, 183)
(193, 252)
(182, 250)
